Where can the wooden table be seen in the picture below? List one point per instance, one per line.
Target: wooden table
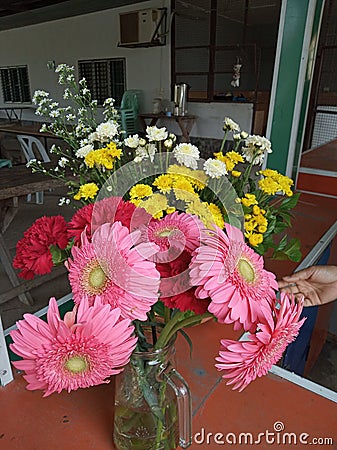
(185, 122)
(15, 184)
(83, 419)
(32, 129)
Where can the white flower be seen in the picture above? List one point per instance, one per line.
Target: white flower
(168, 143)
(54, 113)
(142, 141)
(132, 141)
(93, 137)
(83, 151)
(85, 91)
(30, 162)
(63, 161)
(156, 134)
(230, 125)
(244, 134)
(145, 152)
(70, 117)
(106, 130)
(215, 168)
(187, 154)
(43, 128)
(63, 201)
(237, 136)
(255, 149)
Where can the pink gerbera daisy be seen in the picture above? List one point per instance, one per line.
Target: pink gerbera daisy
(33, 255)
(173, 234)
(233, 276)
(246, 360)
(75, 352)
(112, 269)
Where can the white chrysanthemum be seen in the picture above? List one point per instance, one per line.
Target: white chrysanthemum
(187, 154)
(83, 151)
(132, 141)
(230, 125)
(106, 130)
(215, 168)
(156, 134)
(145, 152)
(255, 149)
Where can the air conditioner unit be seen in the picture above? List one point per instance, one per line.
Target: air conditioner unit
(142, 28)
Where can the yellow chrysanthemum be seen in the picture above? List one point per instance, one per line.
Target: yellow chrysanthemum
(236, 173)
(268, 186)
(249, 200)
(164, 183)
(201, 210)
(181, 187)
(140, 191)
(275, 182)
(155, 205)
(220, 156)
(235, 157)
(250, 225)
(254, 238)
(86, 191)
(217, 215)
(113, 150)
(90, 159)
(170, 210)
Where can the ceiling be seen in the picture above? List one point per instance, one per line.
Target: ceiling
(19, 13)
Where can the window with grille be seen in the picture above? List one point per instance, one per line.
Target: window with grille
(105, 78)
(15, 84)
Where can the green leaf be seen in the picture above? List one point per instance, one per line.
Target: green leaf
(188, 339)
(291, 251)
(290, 202)
(58, 256)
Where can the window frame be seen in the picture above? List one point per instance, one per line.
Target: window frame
(15, 91)
(94, 81)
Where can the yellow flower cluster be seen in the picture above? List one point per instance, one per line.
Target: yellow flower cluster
(231, 159)
(274, 182)
(105, 157)
(256, 223)
(86, 191)
(197, 178)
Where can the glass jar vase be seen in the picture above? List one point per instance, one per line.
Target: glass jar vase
(153, 409)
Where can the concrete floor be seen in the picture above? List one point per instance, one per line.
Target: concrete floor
(324, 372)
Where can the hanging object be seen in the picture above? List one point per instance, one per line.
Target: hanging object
(236, 73)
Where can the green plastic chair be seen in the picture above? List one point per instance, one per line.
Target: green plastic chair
(129, 111)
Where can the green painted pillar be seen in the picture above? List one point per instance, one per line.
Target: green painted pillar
(299, 27)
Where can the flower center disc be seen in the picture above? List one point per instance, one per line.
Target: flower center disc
(97, 277)
(76, 364)
(166, 232)
(246, 270)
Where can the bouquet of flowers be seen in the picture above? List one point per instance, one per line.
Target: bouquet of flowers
(160, 241)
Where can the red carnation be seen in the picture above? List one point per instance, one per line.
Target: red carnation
(33, 254)
(108, 210)
(175, 281)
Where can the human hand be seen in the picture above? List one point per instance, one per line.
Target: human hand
(318, 284)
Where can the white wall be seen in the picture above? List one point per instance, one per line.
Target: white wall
(96, 35)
